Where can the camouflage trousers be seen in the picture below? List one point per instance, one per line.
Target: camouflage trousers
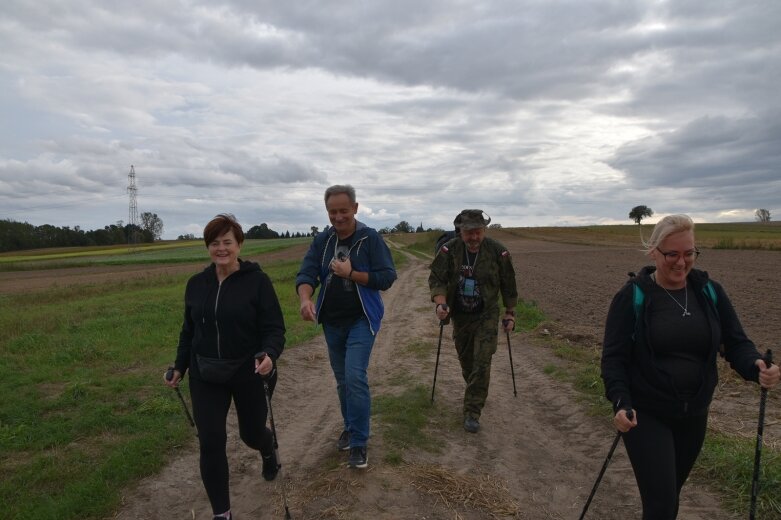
(475, 338)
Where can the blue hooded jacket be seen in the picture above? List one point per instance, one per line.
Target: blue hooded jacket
(369, 254)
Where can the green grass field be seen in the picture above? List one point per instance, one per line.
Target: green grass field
(89, 414)
(167, 253)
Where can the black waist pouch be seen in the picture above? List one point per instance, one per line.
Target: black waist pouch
(218, 370)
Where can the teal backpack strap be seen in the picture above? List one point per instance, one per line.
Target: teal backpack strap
(711, 292)
(638, 296)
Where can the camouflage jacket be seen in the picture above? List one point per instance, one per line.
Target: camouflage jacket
(493, 271)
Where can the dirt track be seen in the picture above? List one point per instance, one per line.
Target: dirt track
(541, 446)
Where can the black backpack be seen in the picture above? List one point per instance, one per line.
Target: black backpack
(444, 237)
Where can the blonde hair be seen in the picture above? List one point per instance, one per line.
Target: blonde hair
(666, 227)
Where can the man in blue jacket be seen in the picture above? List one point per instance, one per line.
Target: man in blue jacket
(351, 264)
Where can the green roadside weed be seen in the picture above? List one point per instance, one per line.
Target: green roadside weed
(407, 420)
(528, 315)
(727, 464)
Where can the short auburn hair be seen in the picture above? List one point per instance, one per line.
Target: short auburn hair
(220, 225)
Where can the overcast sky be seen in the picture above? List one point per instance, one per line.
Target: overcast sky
(539, 112)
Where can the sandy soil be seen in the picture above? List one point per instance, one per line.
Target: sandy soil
(537, 454)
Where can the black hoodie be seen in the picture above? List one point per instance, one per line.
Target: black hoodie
(629, 370)
(232, 320)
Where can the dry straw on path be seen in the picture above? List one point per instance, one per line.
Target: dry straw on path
(483, 493)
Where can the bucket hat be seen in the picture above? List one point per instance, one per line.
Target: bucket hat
(471, 219)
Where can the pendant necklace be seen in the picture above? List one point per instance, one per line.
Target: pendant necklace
(685, 305)
(471, 263)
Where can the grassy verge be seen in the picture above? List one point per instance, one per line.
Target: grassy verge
(89, 414)
(407, 420)
(725, 463)
(405, 415)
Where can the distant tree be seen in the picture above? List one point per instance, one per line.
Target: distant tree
(118, 233)
(420, 229)
(314, 229)
(762, 215)
(186, 236)
(638, 213)
(495, 226)
(152, 225)
(403, 227)
(261, 231)
(385, 231)
(135, 234)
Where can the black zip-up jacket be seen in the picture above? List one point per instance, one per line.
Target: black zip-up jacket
(632, 378)
(236, 319)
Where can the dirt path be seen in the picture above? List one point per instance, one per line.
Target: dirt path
(537, 454)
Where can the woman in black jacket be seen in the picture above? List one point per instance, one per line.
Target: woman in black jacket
(663, 332)
(232, 318)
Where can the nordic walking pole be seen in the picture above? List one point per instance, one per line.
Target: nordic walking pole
(630, 414)
(510, 351)
(442, 324)
(267, 393)
(169, 374)
(768, 359)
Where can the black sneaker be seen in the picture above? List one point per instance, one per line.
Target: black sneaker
(358, 457)
(471, 425)
(270, 466)
(343, 444)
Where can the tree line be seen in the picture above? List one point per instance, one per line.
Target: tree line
(15, 236)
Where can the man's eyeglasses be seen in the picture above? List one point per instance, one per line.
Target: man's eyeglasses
(672, 256)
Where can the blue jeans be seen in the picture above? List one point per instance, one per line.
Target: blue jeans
(349, 348)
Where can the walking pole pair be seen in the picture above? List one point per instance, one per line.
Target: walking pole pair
(510, 351)
(267, 393)
(629, 415)
(768, 359)
(169, 374)
(442, 324)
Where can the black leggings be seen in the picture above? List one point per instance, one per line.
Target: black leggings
(211, 403)
(662, 451)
